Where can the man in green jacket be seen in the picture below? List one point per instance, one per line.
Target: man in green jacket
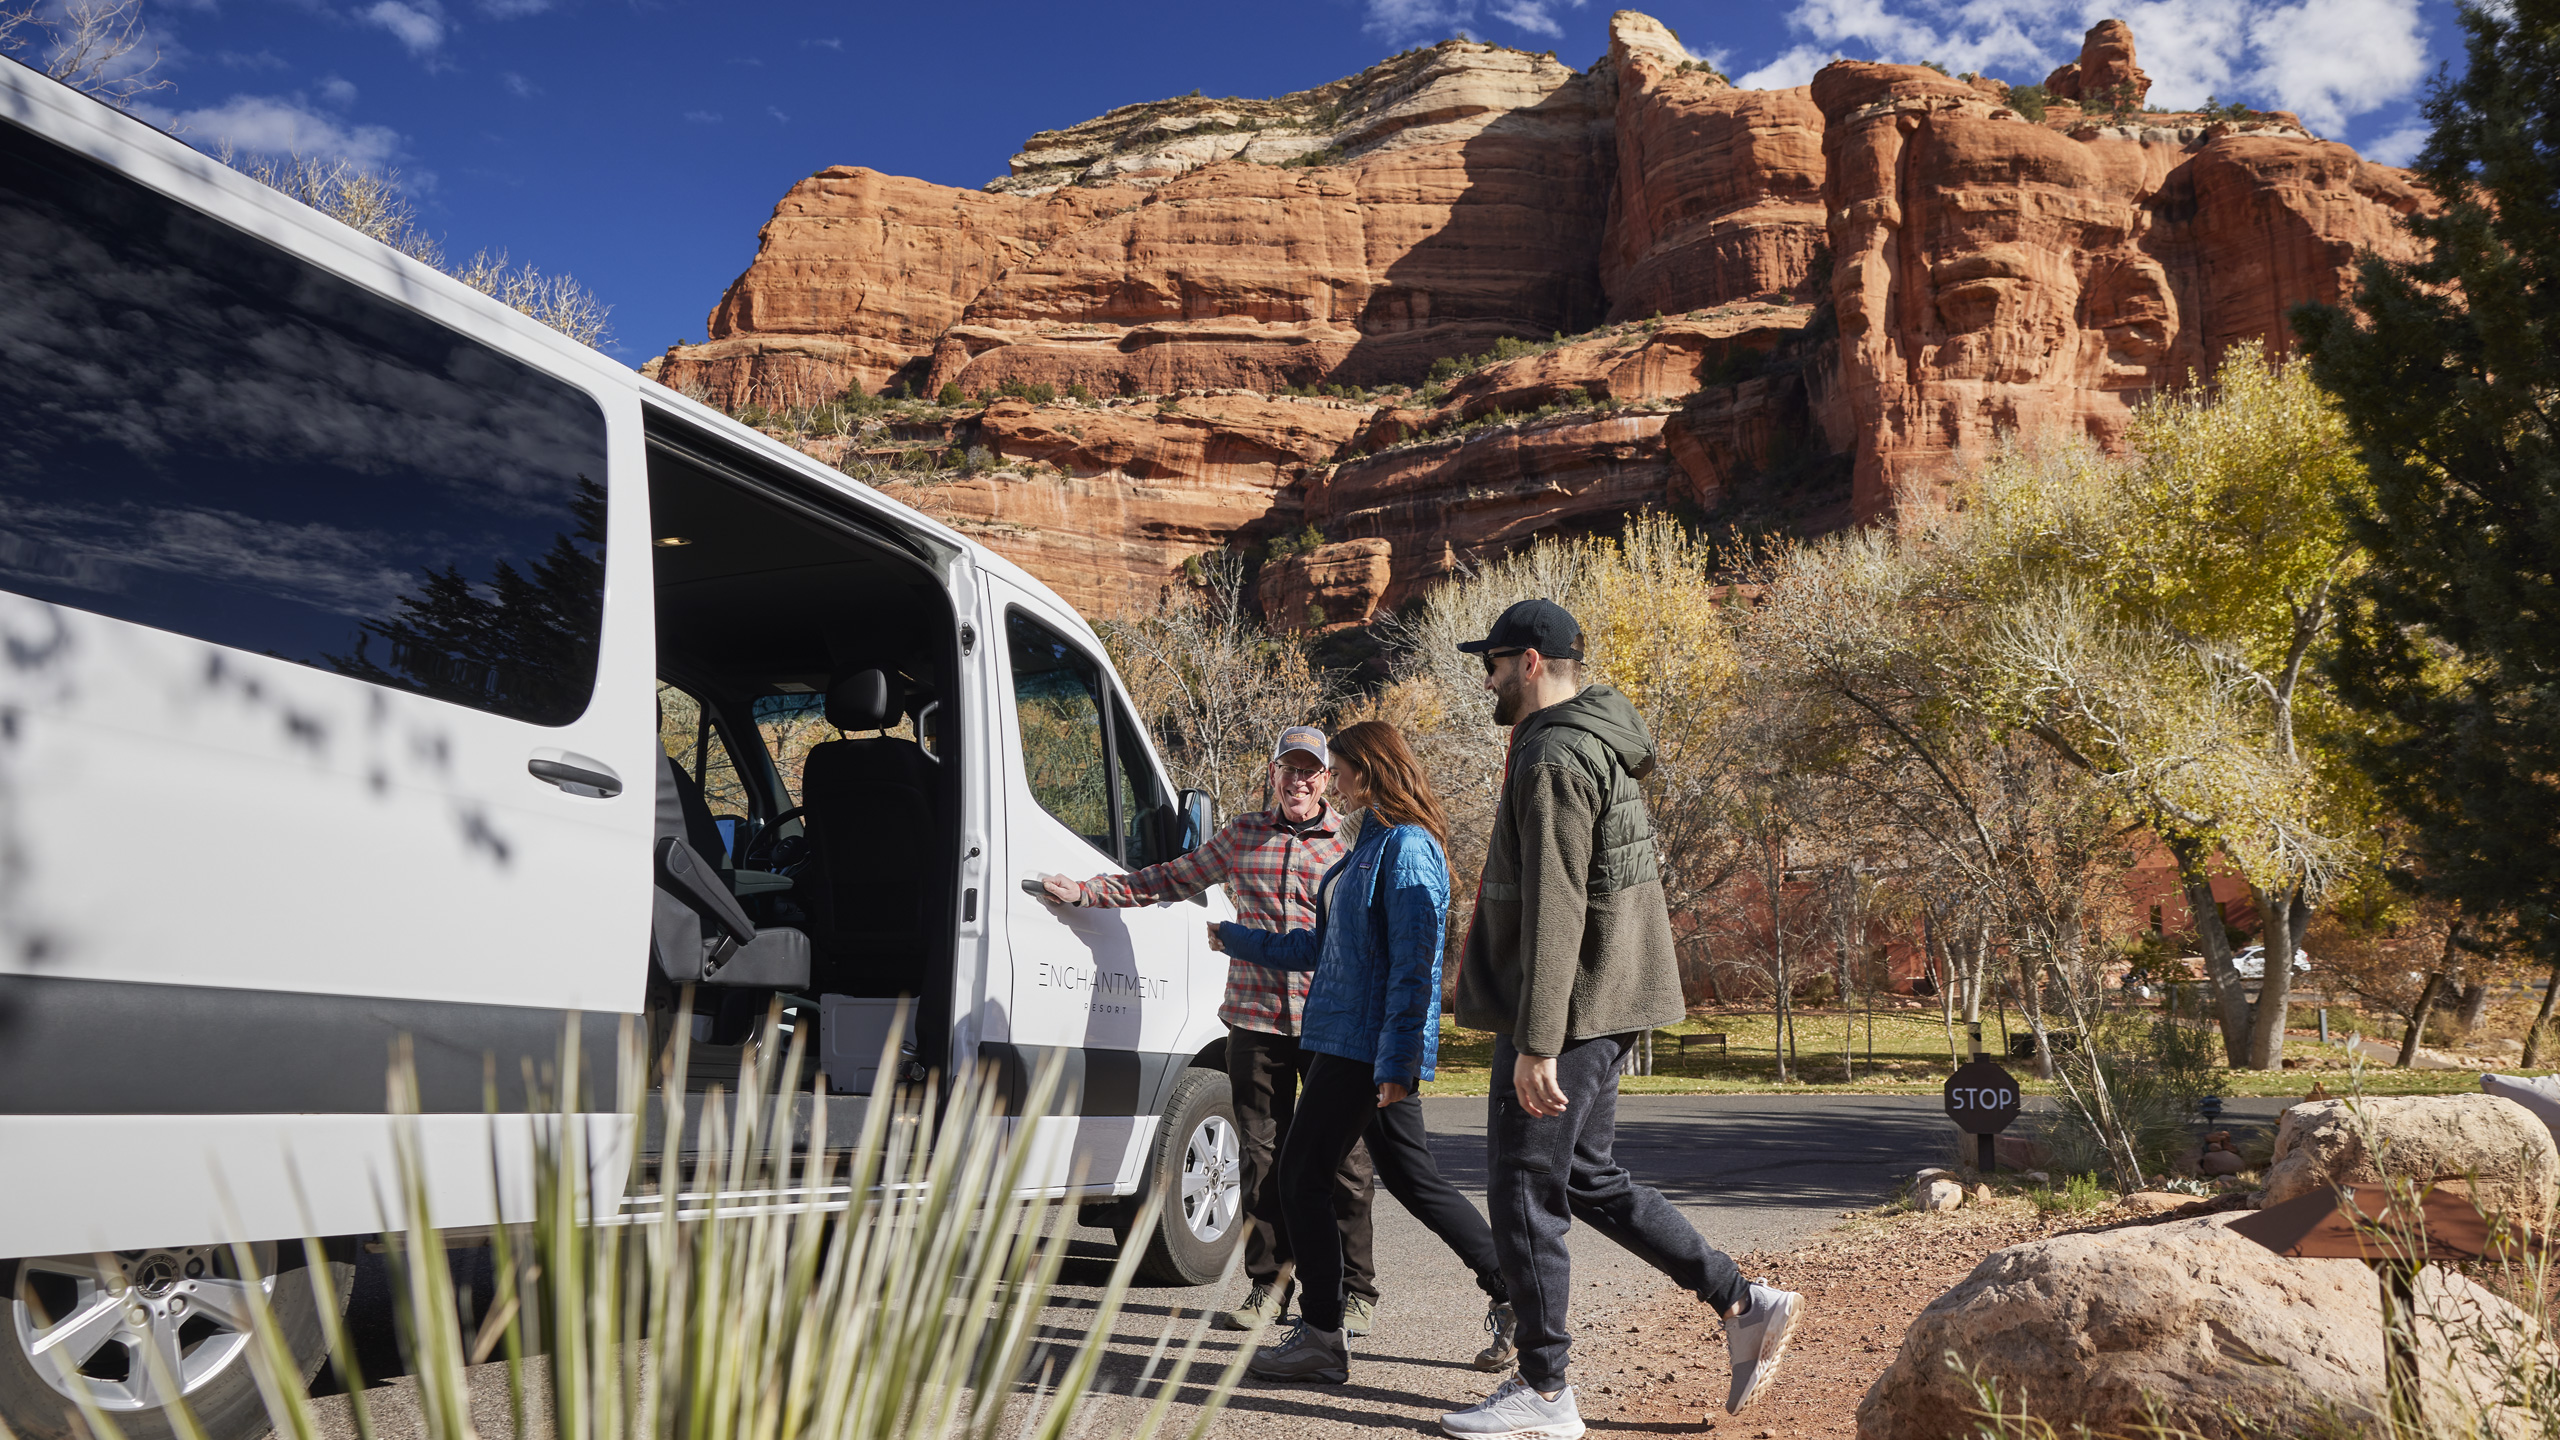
(1568, 962)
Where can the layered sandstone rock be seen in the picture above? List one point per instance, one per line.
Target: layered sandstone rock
(2104, 73)
(1990, 274)
(1982, 274)
(1111, 500)
(1719, 191)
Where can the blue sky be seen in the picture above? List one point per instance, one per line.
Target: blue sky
(639, 144)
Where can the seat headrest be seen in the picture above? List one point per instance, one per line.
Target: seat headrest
(860, 701)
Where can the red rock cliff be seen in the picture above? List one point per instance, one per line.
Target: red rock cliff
(1842, 285)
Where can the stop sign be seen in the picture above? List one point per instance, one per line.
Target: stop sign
(1982, 1098)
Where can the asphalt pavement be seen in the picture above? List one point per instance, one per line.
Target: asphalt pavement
(1752, 1172)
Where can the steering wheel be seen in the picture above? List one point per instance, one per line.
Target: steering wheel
(771, 849)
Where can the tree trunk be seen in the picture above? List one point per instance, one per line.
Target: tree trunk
(2418, 1020)
(2031, 1000)
(2281, 921)
(1933, 939)
(1977, 974)
(2542, 1018)
(2219, 974)
(2474, 1004)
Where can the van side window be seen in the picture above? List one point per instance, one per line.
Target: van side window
(1057, 703)
(686, 732)
(1142, 801)
(209, 436)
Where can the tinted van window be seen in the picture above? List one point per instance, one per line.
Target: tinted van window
(1057, 703)
(206, 435)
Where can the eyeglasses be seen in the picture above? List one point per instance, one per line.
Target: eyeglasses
(1298, 775)
(1492, 655)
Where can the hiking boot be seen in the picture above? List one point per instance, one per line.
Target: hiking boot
(1305, 1353)
(1502, 1353)
(1756, 1340)
(1268, 1302)
(1516, 1411)
(1359, 1316)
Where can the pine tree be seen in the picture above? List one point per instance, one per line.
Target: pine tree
(2450, 380)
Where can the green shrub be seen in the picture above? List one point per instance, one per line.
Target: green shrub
(2028, 101)
(951, 398)
(1079, 394)
(2079, 1195)
(916, 1312)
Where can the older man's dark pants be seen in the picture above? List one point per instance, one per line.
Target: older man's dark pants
(1549, 1171)
(1264, 1073)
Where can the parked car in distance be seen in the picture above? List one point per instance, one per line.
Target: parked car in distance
(2252, 963)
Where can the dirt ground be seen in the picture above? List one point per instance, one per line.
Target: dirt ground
(1661, 1368)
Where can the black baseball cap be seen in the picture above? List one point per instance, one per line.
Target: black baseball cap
(1540, 625)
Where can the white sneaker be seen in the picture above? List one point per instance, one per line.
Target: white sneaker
(1516, 1411)
(1757, 1340)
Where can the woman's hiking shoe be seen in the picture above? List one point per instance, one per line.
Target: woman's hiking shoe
(1359, 1316)
(1268, 1302)
(1757, 1339)
(1305, 1353)
(1503, 1353)
(1516, 1411)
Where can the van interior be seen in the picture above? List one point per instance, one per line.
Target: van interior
(804, 658)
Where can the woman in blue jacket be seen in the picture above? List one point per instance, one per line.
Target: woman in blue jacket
(1373, 1024)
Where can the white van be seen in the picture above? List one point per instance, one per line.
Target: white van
(376, 662)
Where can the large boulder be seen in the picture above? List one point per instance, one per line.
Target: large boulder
(2493, 1142)
(2185, 1319)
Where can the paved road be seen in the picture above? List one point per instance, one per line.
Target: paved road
(1752, 1172)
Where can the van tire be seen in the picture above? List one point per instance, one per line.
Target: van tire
(224, 1402)
(1197, 1143)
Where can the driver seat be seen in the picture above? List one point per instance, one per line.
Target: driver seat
(870, 810)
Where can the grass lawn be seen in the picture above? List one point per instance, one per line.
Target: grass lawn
(1909, 1057)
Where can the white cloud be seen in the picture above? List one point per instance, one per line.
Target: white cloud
(1793, 68)
(520, 87)
(1397, 21)
(338, 92)
(778, 117)
(830, 42)
(278, 125)
(512, 9)
(2326, 60)
(418, 24)
(2397, 147)
(262, 60)
(702, 117)
(1529, 15)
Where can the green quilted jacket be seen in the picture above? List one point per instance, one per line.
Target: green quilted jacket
(1571, 938)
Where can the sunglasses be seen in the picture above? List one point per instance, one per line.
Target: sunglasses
(1490, 656)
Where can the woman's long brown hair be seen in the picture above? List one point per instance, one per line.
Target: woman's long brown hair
(1399, 791)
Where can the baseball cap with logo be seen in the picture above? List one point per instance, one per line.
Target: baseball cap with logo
(1307, 738)
(1540, 625)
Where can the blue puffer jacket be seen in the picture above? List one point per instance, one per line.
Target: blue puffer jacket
(1376, 995)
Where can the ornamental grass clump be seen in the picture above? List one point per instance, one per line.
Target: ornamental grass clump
(775, 1291)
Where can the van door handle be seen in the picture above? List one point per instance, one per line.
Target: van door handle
(575, 773)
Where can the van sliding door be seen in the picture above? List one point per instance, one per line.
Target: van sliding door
(328, 640)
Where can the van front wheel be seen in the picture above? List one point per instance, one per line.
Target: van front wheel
(135, 1330)
(1198, 1167)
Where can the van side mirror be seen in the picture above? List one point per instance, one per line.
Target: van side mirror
(1193, 820)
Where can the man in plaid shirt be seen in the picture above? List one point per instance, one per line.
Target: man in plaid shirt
(1271, 862)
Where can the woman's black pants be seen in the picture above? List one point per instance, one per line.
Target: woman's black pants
(1336, 1110)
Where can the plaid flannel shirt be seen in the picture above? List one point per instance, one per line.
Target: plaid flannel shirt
(1271, 870)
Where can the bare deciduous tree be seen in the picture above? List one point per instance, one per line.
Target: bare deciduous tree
(94, 46)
